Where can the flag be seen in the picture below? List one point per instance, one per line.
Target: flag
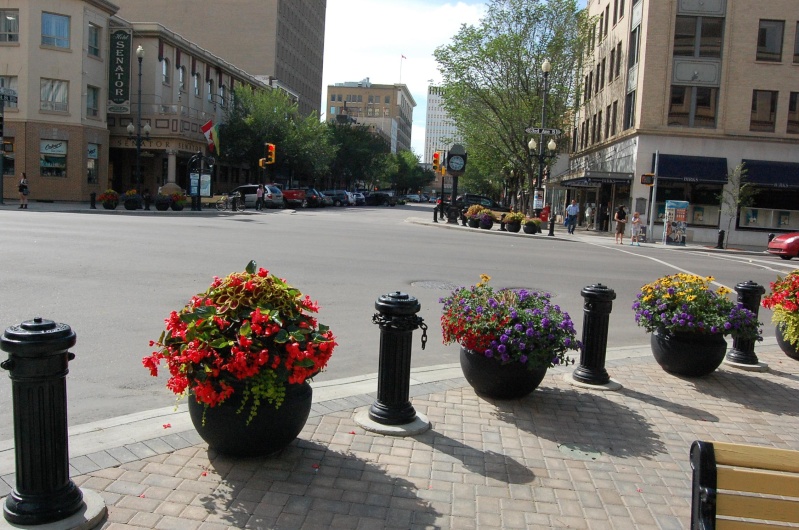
(207, 132)
(215, 138)
(404, 57)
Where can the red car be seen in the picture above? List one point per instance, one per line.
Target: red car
(785, 246)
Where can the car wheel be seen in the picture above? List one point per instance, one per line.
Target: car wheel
(385, 202)
(304, 203)
(337, 203)
(782, 256)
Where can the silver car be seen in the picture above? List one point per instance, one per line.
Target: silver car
(273, 197)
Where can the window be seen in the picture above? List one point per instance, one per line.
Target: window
(764, 111)
(615, 11)
(693, 106)
(598, 77)
(197, 84)
(165, 72)
(55, 30)
(182, 78)
(332, 97)
(796, 46)
(387, 101)
(698, 37)
(210, 96)
(94, 40)
(769, 40)
(621, 9)
(599, 126)
(618, 59)
(222, 95)
(607, 19)
(92, 101)
(9, 81)
(610, 64)
(92, 154)
(602, 75)
(635, 41)
(793, 114)
(614, 117)
(590, 83)
(9, 25)
(629, 110)
(53, 158)
(607, 122)
(54, 95)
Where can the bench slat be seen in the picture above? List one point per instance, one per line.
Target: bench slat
(767, 482)
(731, 505)
(756, 457)
(726, 524)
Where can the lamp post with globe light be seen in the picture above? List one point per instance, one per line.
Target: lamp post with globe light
(537, 150)
(138, 128)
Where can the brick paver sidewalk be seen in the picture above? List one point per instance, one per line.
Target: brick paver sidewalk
(563, 457)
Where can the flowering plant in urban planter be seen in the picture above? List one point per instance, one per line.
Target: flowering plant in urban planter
(475, 211)
(109, 195)
(179, 199)
(513, 217)
(250, 333)
(686, 303)
(163, 202)
(784, 303)
(509, 325)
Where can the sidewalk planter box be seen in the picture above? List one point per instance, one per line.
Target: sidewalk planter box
(499, 381)
(688, 354)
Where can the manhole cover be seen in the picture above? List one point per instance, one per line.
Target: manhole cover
(579, 452)
(435, 284)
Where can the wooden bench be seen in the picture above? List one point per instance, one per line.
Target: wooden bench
(743, 487)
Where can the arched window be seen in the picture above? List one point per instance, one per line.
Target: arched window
(210, 84)
(165, 71)
(182, 78)
(222, 95)
(197, 84)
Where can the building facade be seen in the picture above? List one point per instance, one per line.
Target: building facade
(388, 109)
(440, 131)
(689, 90)
(278, 39)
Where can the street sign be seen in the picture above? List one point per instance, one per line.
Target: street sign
(542, 130)
(6, 97)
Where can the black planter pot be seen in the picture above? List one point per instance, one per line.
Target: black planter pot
(487, 225)
(530, 228)
(688, 354)
(132, 204)
(110, 205)
(177, 207)
(474, 223)
(513, 227)
(270, 431)
(789, 349)
(162, 206)
(499, 381)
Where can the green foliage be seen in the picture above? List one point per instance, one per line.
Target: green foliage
(737, 194)
(514, 217)
(360, 154)
(493, 86)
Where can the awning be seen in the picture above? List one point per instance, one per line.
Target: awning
(773, 174)
(594, 179)
(691, 168)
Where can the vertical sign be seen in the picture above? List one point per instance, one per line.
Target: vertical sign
(119, 72)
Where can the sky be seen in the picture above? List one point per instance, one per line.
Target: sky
(367, 38)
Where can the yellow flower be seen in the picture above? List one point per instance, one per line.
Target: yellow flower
(484, 279)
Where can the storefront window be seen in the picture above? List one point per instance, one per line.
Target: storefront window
(92, 155)
(703, 199)
(53, 158)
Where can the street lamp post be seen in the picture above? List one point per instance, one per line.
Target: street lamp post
(138, 128)
(538, 152)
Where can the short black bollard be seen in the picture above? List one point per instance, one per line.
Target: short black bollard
(93, 200)
(37, 365)
(771, 236)
(743, 350)
(397, 319)
(551, 225)
(435, 214)
(720, 242)
(597, 306)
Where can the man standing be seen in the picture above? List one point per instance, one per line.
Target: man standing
(259, 197)
(571, 211)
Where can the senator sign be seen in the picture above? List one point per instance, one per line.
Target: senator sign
(119, 72)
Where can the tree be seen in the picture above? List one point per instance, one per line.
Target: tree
(737, 194)
(493, 84)
(359, 156)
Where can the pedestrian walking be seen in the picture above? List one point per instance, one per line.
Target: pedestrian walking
(23, 192)
(635, 225)
(621, 222)
(259, 197)
(571, 212)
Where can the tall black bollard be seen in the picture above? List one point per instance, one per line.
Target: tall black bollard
(551, 225)
(743, 350)
(397, 319)
(37, 365)
(93, 201)
(435, 214)
(720, 241)
(597, 306)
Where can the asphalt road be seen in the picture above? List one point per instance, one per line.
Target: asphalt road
(114, 277)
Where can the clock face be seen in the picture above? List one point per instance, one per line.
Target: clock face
(456, 163)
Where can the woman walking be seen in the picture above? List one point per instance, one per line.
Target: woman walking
(621, 222)
(23, 192)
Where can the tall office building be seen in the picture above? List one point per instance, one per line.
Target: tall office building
(387, 109)
(280, 40)
(689, 90)
(440, 131)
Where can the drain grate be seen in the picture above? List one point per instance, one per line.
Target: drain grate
(435, 284)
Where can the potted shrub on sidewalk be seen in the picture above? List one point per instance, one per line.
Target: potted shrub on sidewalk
(243, 352)
(688, 321)
(508, 337)
(109, 199)
(513, 221)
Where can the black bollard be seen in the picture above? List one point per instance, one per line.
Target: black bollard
(397, 319)
(435, 214)
(743, 350)
(771, 236)
(597, 306)
(551, 225)
(37, 365)
(93, 200)
(720, 241)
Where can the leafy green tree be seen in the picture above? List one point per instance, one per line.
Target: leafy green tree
(493, 85)
(410, 177)
(736, 194)
(359, 157)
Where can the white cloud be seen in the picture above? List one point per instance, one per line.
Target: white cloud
(367, 38)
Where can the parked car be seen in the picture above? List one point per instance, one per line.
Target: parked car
(339, 197)
(380, 198)
(273, 197)
(360, 200)
(786, 246)
(248, 191)
(317, 199)
(412, 197)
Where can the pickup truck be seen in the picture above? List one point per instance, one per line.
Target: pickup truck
(303, 198)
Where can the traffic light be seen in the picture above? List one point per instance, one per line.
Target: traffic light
(262, 162)
(436, 161)
(270, 153)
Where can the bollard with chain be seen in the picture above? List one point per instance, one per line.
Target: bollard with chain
(742, 352)
(397, 319)
(598, 303)
(37, 366)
